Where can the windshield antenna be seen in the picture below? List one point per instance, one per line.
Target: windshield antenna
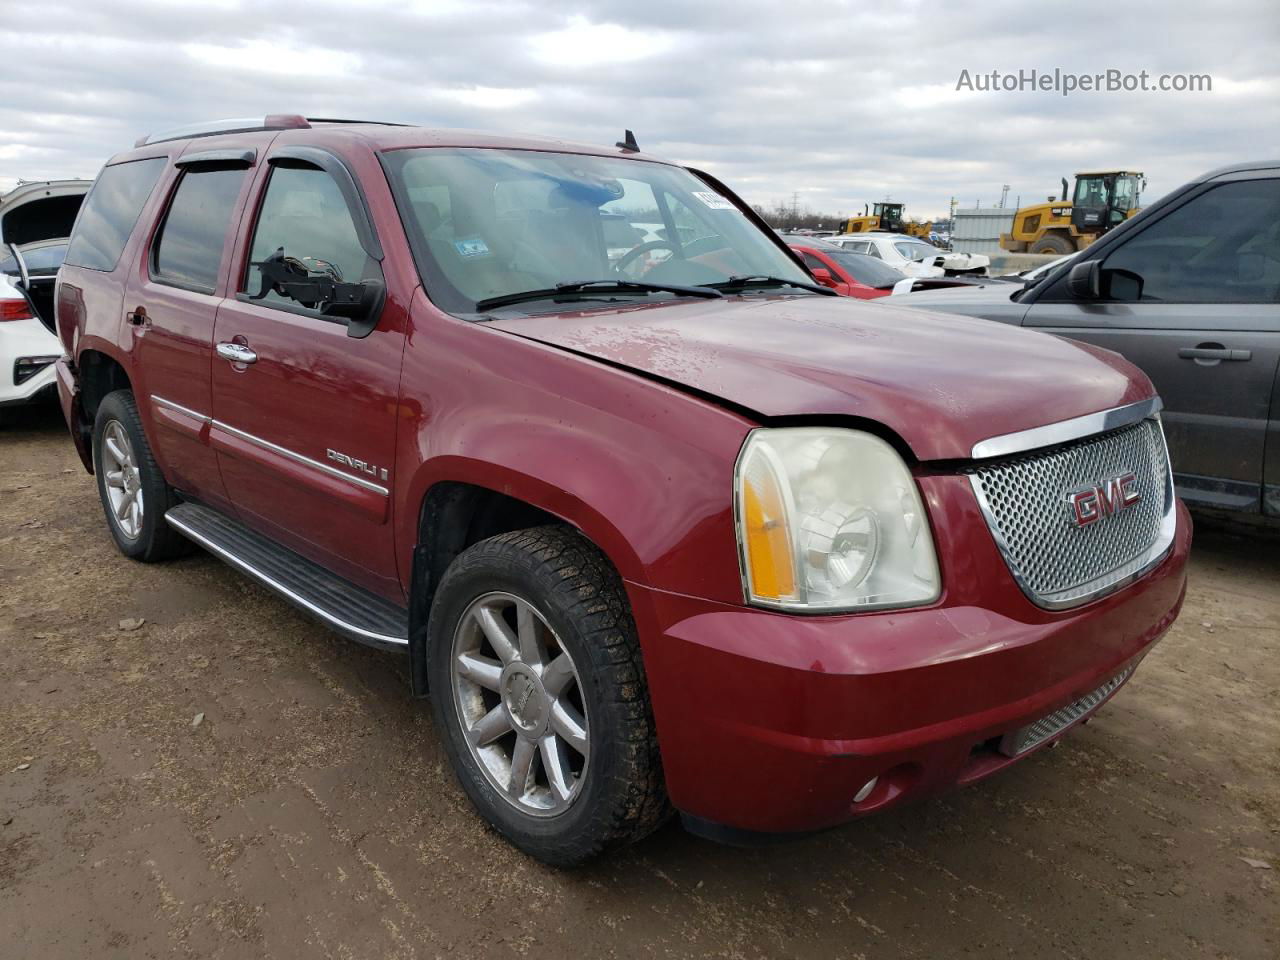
(628, 142)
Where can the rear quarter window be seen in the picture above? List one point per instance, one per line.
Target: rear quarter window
(110, 212)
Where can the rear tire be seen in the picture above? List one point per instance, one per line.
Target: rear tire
(598, 785)
(1053, 243)
(133, 491)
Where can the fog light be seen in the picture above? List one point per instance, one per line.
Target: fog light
(24, 368)
(866, 790)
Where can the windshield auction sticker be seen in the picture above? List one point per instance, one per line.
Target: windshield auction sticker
(714, 200)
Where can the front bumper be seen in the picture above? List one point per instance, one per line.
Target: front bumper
(773, 723)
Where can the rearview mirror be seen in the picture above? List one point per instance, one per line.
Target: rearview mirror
(1085, 280)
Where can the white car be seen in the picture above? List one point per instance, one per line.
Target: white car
(35, 219)
(911, 255)
(27, 351)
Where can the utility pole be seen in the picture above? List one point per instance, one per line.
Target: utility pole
(1004, 195)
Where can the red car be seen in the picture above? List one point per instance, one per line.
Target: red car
(678, 532)
(858, 275)
(848, 274)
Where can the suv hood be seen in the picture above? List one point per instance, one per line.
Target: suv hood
(942, 383)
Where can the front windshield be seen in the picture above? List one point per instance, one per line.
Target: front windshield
(864, 269)
(486, 223)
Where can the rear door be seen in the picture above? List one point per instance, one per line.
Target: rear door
(304, 413)
(170, 303)
(1192, 300)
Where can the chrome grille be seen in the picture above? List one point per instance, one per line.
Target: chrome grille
(1034, 734)
(1057, 562)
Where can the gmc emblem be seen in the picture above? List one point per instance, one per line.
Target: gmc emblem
(1090, 504)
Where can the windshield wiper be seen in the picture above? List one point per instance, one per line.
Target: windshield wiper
(761, 280)
(594, 286)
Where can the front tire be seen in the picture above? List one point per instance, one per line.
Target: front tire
(1054, 243)
(133, 491)
(539, 692)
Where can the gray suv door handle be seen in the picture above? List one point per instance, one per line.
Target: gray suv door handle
(1214, 353)
(237, 353)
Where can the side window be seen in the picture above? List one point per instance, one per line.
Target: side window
(110, 211)
(813, 263)
(304, 214)
(188, 250)
(1222, 246)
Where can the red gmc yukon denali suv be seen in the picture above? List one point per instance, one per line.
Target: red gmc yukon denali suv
(660, 524)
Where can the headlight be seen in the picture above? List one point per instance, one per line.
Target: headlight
(830, 520)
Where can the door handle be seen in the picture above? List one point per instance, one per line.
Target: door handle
(236, 353)
(138, 317)
(1215, 352)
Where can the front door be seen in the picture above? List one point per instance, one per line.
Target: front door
(1194, 304)
(304, 415)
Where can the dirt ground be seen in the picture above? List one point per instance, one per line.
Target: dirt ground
(311, 813)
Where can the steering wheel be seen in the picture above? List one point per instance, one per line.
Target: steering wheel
(624, 261)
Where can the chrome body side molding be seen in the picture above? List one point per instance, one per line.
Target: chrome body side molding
(273, 447)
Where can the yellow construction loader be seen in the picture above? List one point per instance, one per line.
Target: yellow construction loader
(1102, 200)
(886, 216)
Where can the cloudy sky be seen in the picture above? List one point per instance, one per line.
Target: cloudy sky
(840, 103)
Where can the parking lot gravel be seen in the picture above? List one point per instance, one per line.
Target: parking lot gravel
(189, 767)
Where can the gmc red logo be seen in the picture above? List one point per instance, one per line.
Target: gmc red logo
(1090, 504)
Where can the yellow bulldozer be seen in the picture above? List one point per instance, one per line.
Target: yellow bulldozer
(1102, 200)
(886, 216)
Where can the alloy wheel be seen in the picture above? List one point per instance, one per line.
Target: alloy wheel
(520, 704)
(122, 479)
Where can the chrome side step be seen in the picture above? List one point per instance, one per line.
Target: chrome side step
(350, 610)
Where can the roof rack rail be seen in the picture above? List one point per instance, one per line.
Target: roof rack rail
(377, 123)
(210, 128)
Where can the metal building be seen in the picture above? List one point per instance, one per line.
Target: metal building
(978, 229)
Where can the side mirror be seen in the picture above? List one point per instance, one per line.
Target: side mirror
(823, 276)
(1122, 285)
(1085, 280)
(357, 303)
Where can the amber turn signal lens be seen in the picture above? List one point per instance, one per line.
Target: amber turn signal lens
(768, 541)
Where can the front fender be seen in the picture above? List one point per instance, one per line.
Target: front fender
(538, 491)
(643, 469)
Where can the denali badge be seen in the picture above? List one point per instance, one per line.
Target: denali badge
(1090, 504)
(360, 465)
